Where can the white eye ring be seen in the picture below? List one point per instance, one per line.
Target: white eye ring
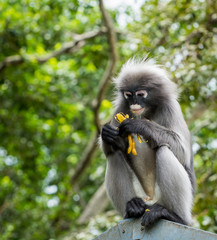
(127, 94)
(142, 93)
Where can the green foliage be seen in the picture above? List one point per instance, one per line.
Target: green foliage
(46, 117)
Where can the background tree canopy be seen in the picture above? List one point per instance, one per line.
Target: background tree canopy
(56, 60)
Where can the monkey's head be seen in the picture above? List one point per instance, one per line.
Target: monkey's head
(143, 86)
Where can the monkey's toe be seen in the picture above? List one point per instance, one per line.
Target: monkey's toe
(135, 208)
(152, 215)
(149, 219)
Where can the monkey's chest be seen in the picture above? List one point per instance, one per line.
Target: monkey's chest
(143, 165)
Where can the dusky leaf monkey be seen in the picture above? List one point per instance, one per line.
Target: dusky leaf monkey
(158, 182)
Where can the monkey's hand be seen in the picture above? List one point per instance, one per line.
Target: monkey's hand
(154, 134)
(110, 136)
(127, 127)
(135, 208)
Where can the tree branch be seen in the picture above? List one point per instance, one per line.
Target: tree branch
(3, 207)
(97, 204)
(110, 67)
(192, 35)
(197, 112)
(85, 159)
(201, 108)
(69, 47)
(92, 146)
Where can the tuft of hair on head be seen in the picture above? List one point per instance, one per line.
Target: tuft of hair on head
(136, 68)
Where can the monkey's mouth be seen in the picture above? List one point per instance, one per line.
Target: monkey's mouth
(138, 111)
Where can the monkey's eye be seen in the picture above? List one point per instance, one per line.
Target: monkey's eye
(142, 93)
(127, 94)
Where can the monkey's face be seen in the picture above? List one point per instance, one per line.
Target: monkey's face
(136, 100)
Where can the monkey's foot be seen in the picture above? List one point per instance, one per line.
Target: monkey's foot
(152, 215)
(157, 212)
(135, 208)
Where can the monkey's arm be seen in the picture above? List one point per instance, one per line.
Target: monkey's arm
(119, 175)
(155, 135)
(112, 141)
(119, 185)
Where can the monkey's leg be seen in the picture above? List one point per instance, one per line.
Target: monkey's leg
(119, 181)
(157, 212)
(175, 187)
(119, 175)
(119, 185)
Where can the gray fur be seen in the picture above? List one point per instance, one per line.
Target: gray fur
(175, 185)
(119, 181)
(166, 160)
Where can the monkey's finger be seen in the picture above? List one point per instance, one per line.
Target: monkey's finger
(110, 132)
(109, 126)
(134, 209)
(108, 139)
(126, 127)
(109, 129)
(134, 206)
(148, 219)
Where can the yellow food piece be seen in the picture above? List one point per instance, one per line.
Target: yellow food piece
(147, 210)
(133, 147)
(130, 144)
(139, 138)
(120, 117)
